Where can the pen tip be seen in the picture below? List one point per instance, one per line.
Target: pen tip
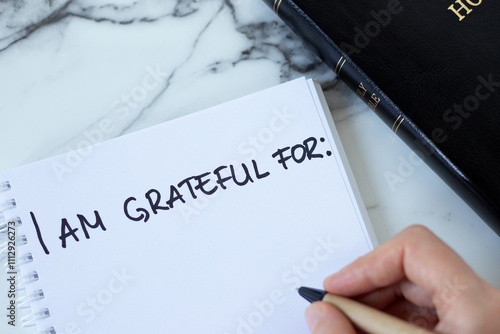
(310, 294)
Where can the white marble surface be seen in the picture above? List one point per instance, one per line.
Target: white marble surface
(67, 66)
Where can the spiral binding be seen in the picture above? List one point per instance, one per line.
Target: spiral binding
(4, 246)
(23, 302)
(23, 280)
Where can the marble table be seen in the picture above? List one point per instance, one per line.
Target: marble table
(67, 65)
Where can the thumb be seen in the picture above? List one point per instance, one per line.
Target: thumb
(324, 318)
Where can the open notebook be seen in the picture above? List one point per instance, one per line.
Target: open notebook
(204, 224)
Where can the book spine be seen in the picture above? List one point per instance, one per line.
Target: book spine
(11, 244)
(386, 109)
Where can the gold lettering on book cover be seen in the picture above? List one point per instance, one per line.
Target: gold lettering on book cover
(361, 91)
(373, 103)
(461, 9)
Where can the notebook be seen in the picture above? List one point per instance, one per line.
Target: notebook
(203, 224)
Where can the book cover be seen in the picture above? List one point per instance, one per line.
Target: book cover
(429, 70)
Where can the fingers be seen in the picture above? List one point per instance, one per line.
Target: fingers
(324, 318)
(418, 267)
(415, 255)
(384, 297)
(419, 316)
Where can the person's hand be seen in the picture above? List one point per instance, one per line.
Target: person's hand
(416, 277)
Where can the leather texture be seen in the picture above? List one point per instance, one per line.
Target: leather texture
(441, 74)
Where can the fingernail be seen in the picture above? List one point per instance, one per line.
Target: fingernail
(313, 315)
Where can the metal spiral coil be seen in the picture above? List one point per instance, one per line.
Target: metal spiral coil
(24, 302)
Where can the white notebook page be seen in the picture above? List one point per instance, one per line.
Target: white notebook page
(188, 240)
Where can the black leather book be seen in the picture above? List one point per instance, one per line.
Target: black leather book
(429, 69)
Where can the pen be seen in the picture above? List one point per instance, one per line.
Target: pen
(364, 317)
